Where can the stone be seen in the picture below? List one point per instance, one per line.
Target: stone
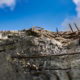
(39, 44)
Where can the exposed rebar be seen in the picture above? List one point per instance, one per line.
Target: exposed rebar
(76, 27)
(57, 30)
(71, 27)
(44, 56)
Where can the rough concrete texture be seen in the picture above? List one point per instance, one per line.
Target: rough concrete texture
(14, 64)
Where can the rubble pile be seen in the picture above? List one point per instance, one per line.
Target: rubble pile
(63, 37)
(40, 32)
(38, 54)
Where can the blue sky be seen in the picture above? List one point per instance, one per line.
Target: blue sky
(23, 14)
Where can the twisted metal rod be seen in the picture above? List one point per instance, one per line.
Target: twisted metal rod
(44, 56)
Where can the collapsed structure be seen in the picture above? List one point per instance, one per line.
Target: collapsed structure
(38, 54)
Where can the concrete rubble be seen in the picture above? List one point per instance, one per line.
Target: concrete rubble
(38, 54)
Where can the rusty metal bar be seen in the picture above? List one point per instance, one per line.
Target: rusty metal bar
(57, 69)
(57, 30)
(76, 26)
(54, 69)
(71, 28)
(44, 56)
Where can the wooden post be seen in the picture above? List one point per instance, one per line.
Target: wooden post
(71, 28)
(76, 27)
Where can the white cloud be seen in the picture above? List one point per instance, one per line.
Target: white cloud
(70, 20)
(77, 3)
(7, 3)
